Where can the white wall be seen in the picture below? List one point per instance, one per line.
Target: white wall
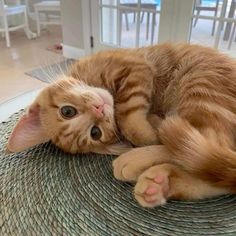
(72, 28)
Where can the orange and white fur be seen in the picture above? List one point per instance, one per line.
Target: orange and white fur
(179, 99)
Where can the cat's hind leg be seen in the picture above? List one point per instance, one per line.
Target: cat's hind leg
(206, 151)
(166, 181)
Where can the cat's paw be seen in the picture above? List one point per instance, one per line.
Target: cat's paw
(124, 167)
(152, 187)
(129, 166)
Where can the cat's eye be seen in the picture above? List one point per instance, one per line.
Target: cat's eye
(95, 133)
(68, 112)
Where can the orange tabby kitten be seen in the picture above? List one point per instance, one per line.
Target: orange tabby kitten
(112, 96)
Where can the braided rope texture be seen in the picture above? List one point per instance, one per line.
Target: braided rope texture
(44, 191)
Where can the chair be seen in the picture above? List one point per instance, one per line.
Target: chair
(231, 15)
(200, 6)
(47, 7)
(145, 4)
(231, 39)
(5, 28)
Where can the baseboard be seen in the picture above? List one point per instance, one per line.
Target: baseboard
(72, 52)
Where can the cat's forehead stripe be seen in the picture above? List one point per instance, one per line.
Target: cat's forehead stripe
(51, 101)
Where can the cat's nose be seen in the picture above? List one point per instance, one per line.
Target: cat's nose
(98, 110)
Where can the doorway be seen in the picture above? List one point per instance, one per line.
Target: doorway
(137, 23)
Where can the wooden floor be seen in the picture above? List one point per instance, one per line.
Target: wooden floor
(25, 55)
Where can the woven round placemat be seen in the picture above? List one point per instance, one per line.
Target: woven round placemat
(44, 191)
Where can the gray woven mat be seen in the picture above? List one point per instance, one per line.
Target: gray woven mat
(46, 192)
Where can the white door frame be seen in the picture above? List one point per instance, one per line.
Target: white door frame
(175, 23)
(87, 26)
(95, 27)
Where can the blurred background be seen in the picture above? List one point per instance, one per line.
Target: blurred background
(38, 36)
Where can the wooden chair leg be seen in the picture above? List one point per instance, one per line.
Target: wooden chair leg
(37, 22)
(213, 28)
(134, 20)
(127, 21)
(231, 39)
(147, 25)
(119, 28)
(6, 28)
(153, 27)
(26, 29)
(142, 16)
(196, 19)
(214, 24)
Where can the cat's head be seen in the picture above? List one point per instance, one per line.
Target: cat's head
(76, 117)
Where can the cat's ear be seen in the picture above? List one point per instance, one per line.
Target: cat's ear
(28, 131)
(115, 149)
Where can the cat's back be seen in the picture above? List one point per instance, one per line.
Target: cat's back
(181, 55)
(190, 62)
(181, 68)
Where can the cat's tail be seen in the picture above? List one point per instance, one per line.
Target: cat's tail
(199, 155)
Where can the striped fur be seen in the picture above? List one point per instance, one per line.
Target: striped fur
(192, 88)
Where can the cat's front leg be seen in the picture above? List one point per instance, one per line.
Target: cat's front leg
(132, 107)
(137, 129)
(129, 166)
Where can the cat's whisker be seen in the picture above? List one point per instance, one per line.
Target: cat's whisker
(54, 72)
(48, 69)
(69, 65)
(48, 73)
(117, 136)
(60, 69)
